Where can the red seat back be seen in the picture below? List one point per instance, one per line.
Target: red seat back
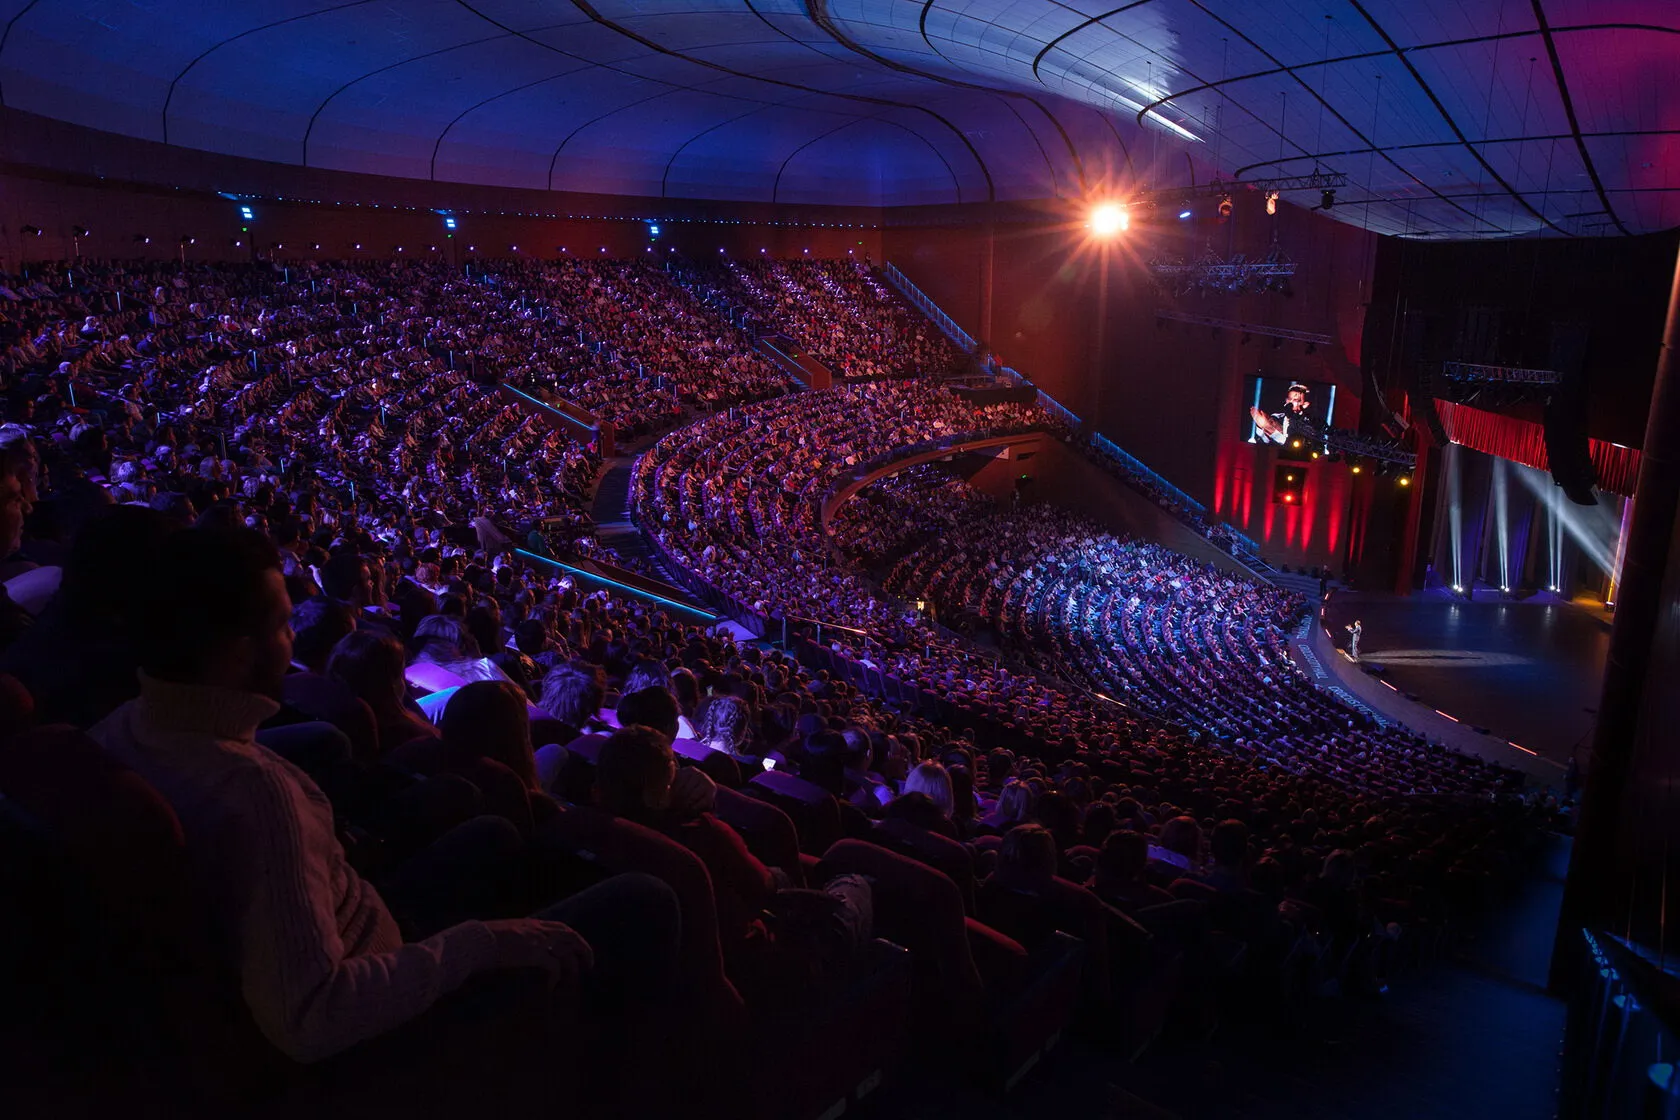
(815, 813)
(920, 909)
(941, 853)
(768, 832)
(622, 846)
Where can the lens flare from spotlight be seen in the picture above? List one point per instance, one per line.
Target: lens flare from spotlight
(1109, 219)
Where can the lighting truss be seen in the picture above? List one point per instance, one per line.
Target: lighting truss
(1261, 329)
(1370, 447)
(1218, 188)
(1470, 372)
(1212, 273)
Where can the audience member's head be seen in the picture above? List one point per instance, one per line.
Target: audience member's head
(371, 664)
(1027, 860)
(572, 693)
(218, 614)
(934, 782)
(634, 772)
(653, 707)
(317, 626)
(487, 719)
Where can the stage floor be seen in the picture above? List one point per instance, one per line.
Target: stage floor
(1529, 672)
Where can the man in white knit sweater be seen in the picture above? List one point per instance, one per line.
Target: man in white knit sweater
(320, 959)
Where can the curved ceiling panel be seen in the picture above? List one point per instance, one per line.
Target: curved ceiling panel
(1454, 118)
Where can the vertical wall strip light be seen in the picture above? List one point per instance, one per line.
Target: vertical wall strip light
(1500, 525)
(1455, 516)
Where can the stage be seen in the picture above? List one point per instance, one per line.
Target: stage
(1526, 671)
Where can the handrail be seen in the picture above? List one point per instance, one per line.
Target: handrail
(625, 588)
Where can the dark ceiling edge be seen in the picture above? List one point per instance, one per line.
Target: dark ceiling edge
(6, 37)
(443, 133)
(589, 10)
(309, 129)
(1491, 142)
(819, 14)
(1414, 49)
(1569, 112)
(76, 155)
(169, 98)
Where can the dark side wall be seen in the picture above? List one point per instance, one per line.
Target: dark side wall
(1170, 393)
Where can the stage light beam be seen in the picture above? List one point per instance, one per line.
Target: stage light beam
(1109, 219)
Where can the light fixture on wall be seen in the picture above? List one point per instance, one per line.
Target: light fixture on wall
(142, 239)
(31, 231)
(79, 231)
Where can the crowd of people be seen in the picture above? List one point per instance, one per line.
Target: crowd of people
(901, 510)
(736, 498)
(257, 526)
(1182, 639)
(841, 312)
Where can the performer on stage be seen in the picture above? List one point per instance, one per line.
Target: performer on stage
(1354, 633)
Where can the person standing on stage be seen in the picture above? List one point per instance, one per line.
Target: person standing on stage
(1354, 633)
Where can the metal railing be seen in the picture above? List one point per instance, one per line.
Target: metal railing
(1621, 1053)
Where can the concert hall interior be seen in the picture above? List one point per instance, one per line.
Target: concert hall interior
(887, 558)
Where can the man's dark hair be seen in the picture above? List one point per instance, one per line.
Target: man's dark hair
(208, 592)
(341, 573)
(113, 565)
(572, 693)
(649, 707)
(317, 626)
(1228, 843)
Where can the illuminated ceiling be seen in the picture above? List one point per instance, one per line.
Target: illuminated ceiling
(1451, 118)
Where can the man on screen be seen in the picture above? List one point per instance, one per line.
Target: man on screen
(1279, 427)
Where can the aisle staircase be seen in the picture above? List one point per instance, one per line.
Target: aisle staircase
(615, 528)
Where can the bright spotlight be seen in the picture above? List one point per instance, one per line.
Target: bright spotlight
(1184, 215)
(245, 212)
(1405, 480)
(1271, 202)
(1458, 588)
(1110, 219)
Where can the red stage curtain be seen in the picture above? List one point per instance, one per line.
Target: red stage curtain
(1523, 441)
